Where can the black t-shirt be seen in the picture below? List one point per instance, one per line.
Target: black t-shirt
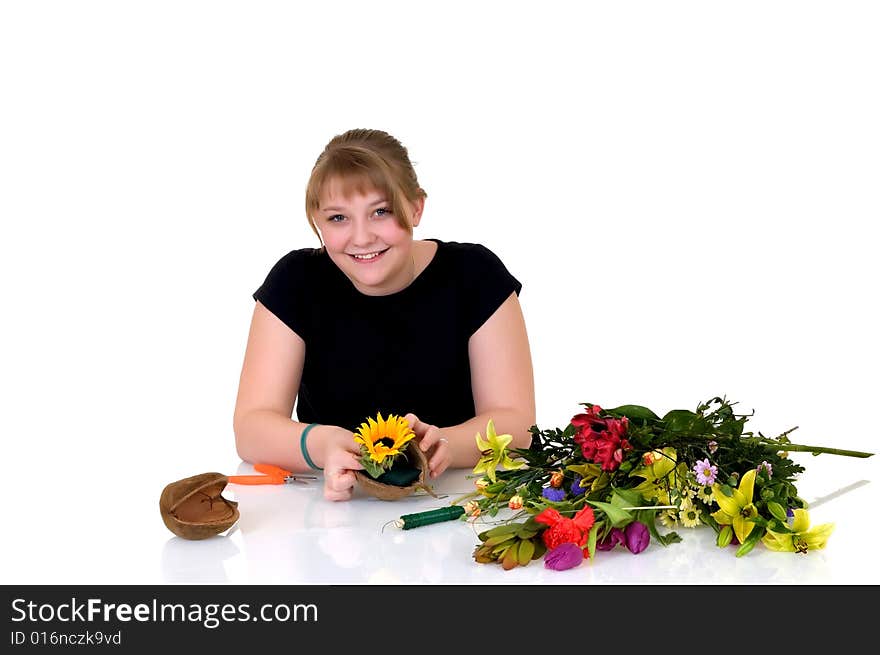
(399, 353)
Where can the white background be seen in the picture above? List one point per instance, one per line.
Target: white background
(687, 190)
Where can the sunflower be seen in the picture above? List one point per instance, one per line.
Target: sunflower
(382, 440)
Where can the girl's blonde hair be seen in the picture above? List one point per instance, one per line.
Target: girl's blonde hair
(363, 160)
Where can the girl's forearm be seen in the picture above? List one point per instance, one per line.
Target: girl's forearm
(507, 421)
(264, 436)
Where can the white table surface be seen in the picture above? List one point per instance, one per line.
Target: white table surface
(289, 534)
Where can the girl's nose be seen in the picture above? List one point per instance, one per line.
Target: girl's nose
(361, 233)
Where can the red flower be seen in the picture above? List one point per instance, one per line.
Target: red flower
(565, 530)
(585, 420)
(601, 439)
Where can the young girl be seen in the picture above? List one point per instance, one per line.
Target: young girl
(376, 321)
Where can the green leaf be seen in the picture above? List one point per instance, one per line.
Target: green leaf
(634, 413)
(526, 550)
(540, 549)
(777, 511)
(750, 542)
(524, 533)
(591, 542)
(626, 498)
(531, 524)
(510, 558)
(685, 421)
(499, 539)
(618, 517)
(373, 468)
(780, 527)
(758, 520)
(507, 528)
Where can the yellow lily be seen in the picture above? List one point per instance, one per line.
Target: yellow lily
(494, 452)
(657, 471)
(802, 538)
(738, 508)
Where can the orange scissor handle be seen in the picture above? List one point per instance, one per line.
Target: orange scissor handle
(271, 469)
(255, 479)
(273, 475)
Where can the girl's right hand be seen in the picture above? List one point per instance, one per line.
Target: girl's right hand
(341, 460)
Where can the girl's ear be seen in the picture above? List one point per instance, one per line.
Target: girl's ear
(418, 208)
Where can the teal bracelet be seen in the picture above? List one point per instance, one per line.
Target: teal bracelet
(305, 451)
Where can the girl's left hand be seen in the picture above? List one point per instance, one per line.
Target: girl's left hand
(433, 444)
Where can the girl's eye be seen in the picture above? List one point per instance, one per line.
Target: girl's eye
(337, 218)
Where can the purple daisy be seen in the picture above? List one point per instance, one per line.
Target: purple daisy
(706, 472)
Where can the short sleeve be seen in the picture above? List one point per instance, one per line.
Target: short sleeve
(284, 292)
(489, 284)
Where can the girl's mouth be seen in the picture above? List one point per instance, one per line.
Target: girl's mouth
(369, 258)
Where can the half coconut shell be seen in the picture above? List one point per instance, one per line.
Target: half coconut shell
(385, 491)
(194, 508)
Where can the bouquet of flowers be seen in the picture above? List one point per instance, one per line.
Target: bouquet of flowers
(611, 475)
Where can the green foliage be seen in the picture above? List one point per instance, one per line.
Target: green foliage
(511, 544)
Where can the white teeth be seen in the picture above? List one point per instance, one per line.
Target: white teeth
(370, 256)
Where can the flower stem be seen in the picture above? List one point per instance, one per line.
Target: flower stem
(815, 449)
(472, 494)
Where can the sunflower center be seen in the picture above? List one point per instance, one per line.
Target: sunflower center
(388, 442)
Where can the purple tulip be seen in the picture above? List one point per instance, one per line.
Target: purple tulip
(613, 538)
(637, 537)
(564, 556)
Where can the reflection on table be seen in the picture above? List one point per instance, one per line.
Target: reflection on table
(289, 534)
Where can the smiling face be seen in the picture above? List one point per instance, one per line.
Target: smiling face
(366, 240)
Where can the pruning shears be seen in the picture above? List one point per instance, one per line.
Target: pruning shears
(272, 475)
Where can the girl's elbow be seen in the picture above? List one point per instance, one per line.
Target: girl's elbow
(242, 443)
(523, 437)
